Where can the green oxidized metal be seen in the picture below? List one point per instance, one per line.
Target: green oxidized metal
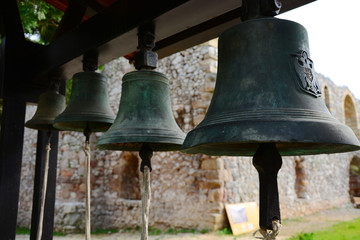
(88, 106)
(266, 91)
(144, 115)
(50, 105)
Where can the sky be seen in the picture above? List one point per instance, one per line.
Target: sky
(334, 37)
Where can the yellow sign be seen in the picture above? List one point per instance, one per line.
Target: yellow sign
(243, 217)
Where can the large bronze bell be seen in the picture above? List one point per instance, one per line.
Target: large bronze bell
(50, 105)
(144, 115)
(89, 106)
(267, 92)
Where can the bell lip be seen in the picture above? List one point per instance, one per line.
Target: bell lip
(79, 125)
(41, 125)
(342, 140)
(136, 146)
(126, 142)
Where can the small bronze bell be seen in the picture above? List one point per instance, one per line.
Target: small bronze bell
(88, 106)
(50, 105)
(267, 92)
(144, 115)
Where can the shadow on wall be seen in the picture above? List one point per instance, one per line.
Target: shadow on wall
(127, 180)
(350, 114)
(301, 182)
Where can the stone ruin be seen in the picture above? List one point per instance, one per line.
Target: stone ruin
(188, 191)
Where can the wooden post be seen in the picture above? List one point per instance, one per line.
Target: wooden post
(11, 146)
(48, 225)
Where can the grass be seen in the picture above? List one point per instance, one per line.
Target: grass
(174, 231)
(225, 231)
(22, 230)
(105, 231)
(342, 231)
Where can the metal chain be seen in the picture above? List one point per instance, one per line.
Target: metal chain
(269, 234)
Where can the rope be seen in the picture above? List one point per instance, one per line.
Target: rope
(43, 194)
(145, 167)
(87, 190)
(269, 234)
(146, 196)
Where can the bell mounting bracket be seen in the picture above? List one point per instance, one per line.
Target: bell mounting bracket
(146, 154)
(146, 58)
(90, 60)
(252, 9)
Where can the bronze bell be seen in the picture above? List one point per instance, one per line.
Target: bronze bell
(144, 115)
(88, 106)
(267, 92)
(50, 105)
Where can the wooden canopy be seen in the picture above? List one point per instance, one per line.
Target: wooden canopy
(111, 27)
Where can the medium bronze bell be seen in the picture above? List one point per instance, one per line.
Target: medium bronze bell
(144, 115)
(50, 105)
(89, 106)
(267, 92)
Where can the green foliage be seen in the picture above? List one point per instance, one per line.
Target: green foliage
(105, 231)
(354, 169)
(154, 231)
(225, 231)
(101, 68)
(303, 236)
(203, 231)
(39, 18)
(59, 234)
(68, 90)
(21, 230)
(343, 231)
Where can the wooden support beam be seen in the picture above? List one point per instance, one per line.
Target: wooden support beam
(48, 223)
(179, 24)
(121, 18)
(11, 146)
(71, 19)
(11, 20)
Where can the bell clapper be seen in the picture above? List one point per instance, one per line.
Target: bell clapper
(267, 162)
(43, 193)
(145, 154)
(87, 134)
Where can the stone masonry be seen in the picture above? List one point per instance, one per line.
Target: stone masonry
(188, 191)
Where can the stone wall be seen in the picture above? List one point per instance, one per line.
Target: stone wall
(188, 191)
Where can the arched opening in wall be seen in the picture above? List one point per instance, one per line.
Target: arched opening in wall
(327, 97)
(350, 114)
(301, 182)
(126, 177)
(354, 181)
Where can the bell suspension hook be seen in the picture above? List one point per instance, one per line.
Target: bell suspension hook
(267, 162)
(252, 9)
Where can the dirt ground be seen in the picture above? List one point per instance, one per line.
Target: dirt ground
(290, 228)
